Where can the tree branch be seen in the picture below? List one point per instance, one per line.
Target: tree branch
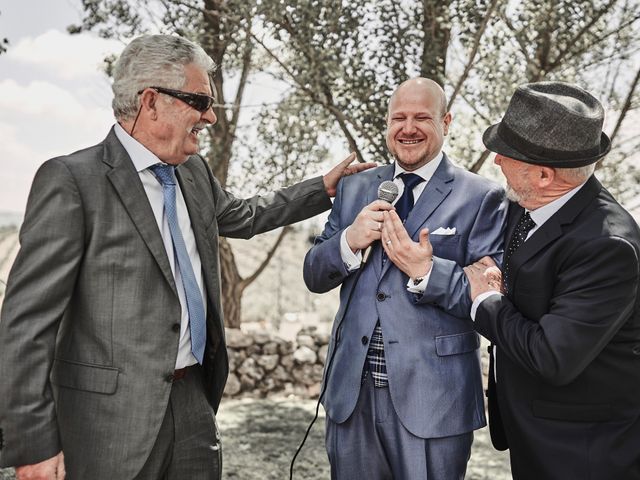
(245, 282)
(474, 52)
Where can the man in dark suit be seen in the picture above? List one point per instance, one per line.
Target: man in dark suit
(112, 337)
(404, 315)
(565, 397)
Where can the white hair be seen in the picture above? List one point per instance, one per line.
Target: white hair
(576, 175)
(153, 60)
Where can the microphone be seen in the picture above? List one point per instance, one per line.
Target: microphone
(387, 191)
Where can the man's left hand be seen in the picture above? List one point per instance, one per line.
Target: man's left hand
(344, 168)
(413, 258)
(484, 276)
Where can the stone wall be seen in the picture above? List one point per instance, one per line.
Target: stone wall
(262, 364)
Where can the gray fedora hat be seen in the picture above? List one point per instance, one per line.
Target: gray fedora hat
(554, 124)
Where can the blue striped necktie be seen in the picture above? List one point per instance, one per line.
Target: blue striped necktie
(195, 306)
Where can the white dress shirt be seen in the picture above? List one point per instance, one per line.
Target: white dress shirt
(353, 260)
(142, 159)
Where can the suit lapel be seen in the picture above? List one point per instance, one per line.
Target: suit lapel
(434, 193)
(552, 228)
(436, 190)
(124, 178)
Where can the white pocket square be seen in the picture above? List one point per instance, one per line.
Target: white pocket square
(444, 231)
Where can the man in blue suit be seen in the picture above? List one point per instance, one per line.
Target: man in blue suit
(404, 391)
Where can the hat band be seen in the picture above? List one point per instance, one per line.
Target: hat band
(538, 152)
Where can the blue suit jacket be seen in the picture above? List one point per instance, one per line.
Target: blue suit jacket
(431, 348)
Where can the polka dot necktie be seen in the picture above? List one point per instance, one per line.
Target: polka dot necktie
(524, 226)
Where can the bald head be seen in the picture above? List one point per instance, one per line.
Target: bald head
(417, 122)
(425, 86)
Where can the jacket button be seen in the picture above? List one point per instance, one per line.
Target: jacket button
(365, 340)
(636, 350)
(381, 296)
(175, 327)
(169, 378)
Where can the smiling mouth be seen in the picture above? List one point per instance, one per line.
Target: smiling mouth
(410, 142)
(196, 130)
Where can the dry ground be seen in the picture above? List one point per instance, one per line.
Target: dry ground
(259, 438)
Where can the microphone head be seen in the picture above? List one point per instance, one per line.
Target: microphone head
(387, 191)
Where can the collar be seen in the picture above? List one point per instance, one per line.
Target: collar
(141, 156)
(426, 171)
(541, 214)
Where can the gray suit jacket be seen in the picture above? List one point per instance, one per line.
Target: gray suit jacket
(431, 347)
(87, 337)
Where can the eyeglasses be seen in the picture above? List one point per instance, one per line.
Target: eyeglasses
(199, 101)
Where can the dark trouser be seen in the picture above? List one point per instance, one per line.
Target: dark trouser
(374, 445)
(188, 444)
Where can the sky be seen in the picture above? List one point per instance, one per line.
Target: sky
(54, 99)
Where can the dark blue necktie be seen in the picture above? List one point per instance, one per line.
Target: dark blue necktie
(195, 306)
(405, 202)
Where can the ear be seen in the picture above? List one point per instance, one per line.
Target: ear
(446, 121)
(148, 100)
(546, 176)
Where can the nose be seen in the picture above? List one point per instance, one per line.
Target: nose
(408, 126)
(209, 116)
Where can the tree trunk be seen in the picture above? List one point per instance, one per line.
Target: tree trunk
(437, 31)
(231, 286)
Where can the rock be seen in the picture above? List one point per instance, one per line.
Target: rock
(313, 391)
(260, 338)
(285, 347)
(306, 341)
(287, 361)
(268, 362)
(322, 354)
(305, 355)
(304, 375)
(247, 383)
(250, 369)
(280, 374)
(322, 338)
(270, 348)
(237, 339)
(233, 386)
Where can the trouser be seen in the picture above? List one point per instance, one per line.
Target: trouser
(373, 444)
(188, 444)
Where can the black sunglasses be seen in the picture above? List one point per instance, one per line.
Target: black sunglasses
(199, 101)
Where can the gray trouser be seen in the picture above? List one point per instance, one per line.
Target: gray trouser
(374, 445)
(188, 444)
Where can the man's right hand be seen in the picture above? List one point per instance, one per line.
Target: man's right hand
(51, 469)
(367, 226)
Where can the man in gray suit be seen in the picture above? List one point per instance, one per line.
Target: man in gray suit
(404, 391)
(111, 337)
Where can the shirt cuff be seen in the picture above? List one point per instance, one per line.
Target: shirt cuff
(422, 286)
(351, 260)
(479, 299)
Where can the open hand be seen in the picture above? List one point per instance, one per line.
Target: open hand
(413, 258)
(342, 169)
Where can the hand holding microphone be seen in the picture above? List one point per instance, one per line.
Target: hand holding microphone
(367, 227)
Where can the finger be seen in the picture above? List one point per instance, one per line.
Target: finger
(347, 161)
(424, 237)
(359, 167)
(379, 205)
(487, 262)
(397, 231)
